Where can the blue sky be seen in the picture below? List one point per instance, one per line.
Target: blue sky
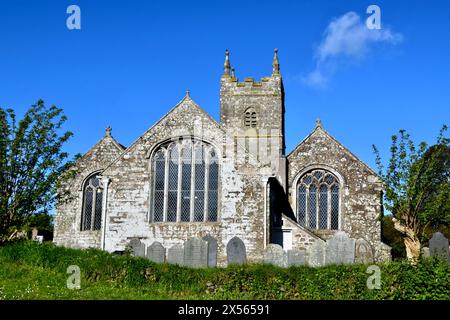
(133, 60)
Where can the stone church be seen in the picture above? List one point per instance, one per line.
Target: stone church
(191, 176)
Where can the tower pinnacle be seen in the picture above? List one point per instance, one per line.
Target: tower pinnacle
(275, 63)
(226, 65)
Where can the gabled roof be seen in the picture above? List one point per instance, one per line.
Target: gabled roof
(187, 100)
(107, 139)
(319, 129)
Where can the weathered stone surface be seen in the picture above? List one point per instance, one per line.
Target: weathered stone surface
(425, 252)
(296, 257)
(156, 252)
(363, 252)
(137, 247)
(236, 253)
(196, 253)
(251, 111)
(274, 254)
(316, 254)
(340, 249)
(175, 254)
(212, 250)
(439, 246)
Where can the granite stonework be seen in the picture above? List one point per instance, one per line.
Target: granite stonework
(438, 245)
(249, 141)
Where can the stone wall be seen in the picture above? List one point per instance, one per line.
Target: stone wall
(128, 208)
(69, 207)
(360, 192)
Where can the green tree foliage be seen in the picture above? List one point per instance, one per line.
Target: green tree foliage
(31, 160)
(417, 187)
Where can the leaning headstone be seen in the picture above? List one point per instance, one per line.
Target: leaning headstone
(137, 247)
(196, 253)
(340, 249)
(236, 253)
(363, 251)
(212, 250)
(425, 252)
(156, 252)
(175, 254)
(274, 254)
(316, 254)
(439, 246)
(296, 257)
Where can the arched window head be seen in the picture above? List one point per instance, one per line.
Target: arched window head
(250, 118)
(91, 217)
(185, 182)
(318, 204)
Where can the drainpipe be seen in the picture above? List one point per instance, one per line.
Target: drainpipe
(105, 182)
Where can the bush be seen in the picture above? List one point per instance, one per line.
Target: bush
(109, 276)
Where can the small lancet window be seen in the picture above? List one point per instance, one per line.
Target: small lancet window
(91, 217)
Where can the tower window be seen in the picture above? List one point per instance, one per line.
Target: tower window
(250, 118)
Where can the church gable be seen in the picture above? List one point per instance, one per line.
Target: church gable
(102, 154)
(321, 149)
(186, 119)
(69, 226)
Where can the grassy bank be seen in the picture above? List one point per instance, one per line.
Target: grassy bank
(39, 271)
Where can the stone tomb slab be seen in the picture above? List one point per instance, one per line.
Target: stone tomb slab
(363, 252)
(316, 254)
(156, 252)
(196, 253)
(439, 247)
(137, 247)
(236, 253)
(175, 254)
(212, 250)
(340, 249)
(275, 254)
(296, 257)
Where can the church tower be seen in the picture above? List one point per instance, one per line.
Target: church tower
(252, 112)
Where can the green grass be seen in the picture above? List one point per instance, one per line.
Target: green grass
(39, 271)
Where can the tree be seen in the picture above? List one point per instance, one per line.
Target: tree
(417, 188)
(31, 160)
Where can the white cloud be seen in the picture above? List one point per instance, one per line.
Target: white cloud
(346, 38)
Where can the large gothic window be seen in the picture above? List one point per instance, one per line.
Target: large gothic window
(318, 200)
(185, 182)
(91, 218)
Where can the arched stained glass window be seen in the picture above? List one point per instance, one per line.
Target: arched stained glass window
(318, 200)
(91, 217)
(185, 182)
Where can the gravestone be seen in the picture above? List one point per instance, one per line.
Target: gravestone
(296, 257)
(274, 254)
(340, 249)
(236, 253)
(156, 252)
(439, 246)
(212, 250)
(425, 252)
(175, 254)
(137, 247)
(196, 253)
(363, 251)
(316, 254)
